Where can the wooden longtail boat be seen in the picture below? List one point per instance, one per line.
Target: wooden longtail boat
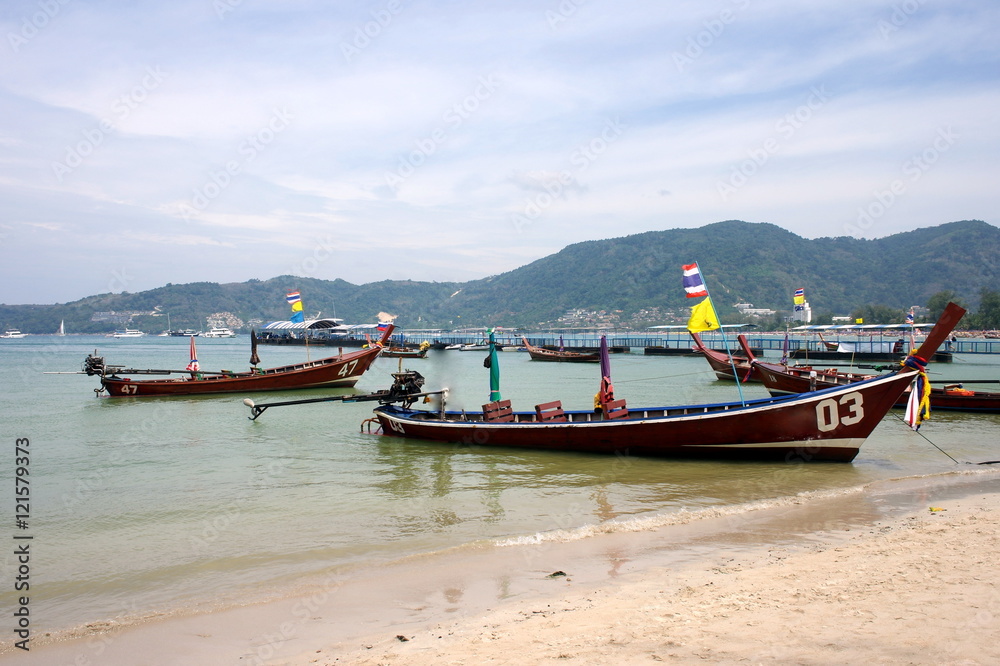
(829, 346)
(343, 370)
(823, 425)
(956, 398)
(401, 351)
(800, 376)
(404, 352)
(722, 366)
(543, 354)
(785, 380)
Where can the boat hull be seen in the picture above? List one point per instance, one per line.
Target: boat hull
(982, 402)
(543, 354)
(822, 426)
(737, 368)
(538, 354)
(780, 380)
(339, 371)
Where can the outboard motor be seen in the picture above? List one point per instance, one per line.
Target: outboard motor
(405, 384)
(94, 365)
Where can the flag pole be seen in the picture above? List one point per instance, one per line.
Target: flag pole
(725, 341)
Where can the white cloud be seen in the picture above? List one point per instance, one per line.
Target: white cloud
(434, 127)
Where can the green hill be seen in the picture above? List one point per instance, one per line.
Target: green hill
(742, 262)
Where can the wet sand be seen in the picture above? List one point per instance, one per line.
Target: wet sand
(897, 572)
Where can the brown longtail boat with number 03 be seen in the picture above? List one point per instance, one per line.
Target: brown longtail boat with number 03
(824, 425)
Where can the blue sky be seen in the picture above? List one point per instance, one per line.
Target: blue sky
(143, 143)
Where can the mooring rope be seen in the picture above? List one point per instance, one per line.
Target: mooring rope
(985, 462)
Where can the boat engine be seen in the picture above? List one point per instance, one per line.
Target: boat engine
(404, 385)
(94, 365)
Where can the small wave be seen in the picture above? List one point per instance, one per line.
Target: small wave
(684, 516)
(681, 516)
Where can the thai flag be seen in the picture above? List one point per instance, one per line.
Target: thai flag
(693, 285)
(293, 297)
(909, 317)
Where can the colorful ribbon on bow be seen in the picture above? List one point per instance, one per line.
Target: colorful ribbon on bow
(918, 405)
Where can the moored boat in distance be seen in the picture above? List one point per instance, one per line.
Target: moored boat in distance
(127, 333)
(865, 347)
(218, 332)
(543, 354)
(829, 425)
(404, 351)
(12, 334)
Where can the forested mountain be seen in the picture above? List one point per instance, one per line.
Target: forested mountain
(742, 262)
(756, 263)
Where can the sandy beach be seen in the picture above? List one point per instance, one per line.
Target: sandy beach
(897, 573)
(921, 589)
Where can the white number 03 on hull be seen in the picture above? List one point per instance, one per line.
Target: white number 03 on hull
(828, 412)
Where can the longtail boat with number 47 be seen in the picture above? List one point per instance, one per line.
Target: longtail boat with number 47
(825, 425)
(341, 371)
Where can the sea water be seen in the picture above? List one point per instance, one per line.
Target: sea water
(141, 507)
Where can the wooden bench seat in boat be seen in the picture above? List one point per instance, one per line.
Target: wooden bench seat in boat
(615, 409)
(498, 412)
(550, 411)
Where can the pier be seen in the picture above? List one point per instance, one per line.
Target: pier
(636, 342)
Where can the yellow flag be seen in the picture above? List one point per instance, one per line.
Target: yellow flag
(703, 317)
(297, 306)
(860, 320)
